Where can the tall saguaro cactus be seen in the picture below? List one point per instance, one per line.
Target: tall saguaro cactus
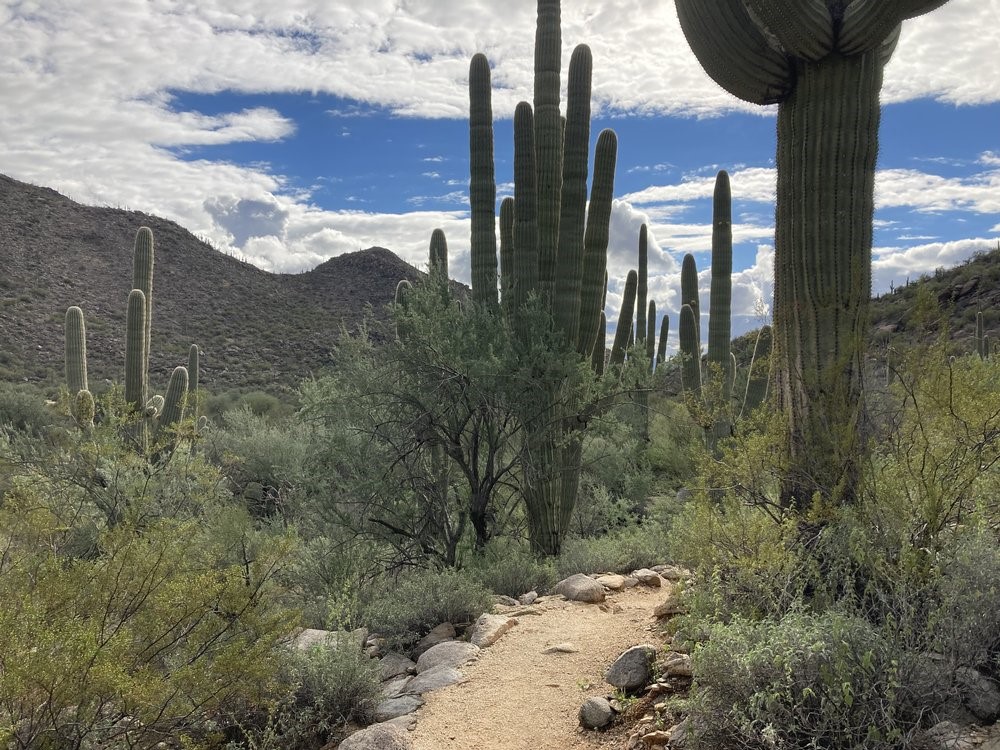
(822, 62)
(552, 247)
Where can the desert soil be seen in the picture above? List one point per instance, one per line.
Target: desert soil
(515, 697)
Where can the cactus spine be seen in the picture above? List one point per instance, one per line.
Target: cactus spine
(822, 62)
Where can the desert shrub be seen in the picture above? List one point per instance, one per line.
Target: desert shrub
(510, 569)
(804, 681)
(622, 551)
(422, 600)
(324, 689)
(23, 408)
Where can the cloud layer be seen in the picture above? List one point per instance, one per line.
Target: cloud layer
(90, 109)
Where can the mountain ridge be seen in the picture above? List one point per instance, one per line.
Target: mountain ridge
(256, 329)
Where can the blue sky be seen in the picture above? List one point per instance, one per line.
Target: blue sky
(289, 131)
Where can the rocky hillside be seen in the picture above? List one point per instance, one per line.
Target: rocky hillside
(256, 329)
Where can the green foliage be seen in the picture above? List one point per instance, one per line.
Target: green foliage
(507, 568)
(325, 688)
(22, 408)
(804, 681)
(421, 600)
(144, 601)
(621, 551)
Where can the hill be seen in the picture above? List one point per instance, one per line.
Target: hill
(256, 329)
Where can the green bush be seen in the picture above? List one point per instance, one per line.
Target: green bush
(508, 569)
(23, 408)
(325, 689)
(805, 681)
(422, 600)
(619, 552)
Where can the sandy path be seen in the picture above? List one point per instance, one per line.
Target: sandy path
(517, 698)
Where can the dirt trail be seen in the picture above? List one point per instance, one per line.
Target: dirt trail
(517, 698)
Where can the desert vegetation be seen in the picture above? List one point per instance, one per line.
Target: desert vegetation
(837, 494)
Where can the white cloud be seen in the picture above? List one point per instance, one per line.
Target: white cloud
(89, 108)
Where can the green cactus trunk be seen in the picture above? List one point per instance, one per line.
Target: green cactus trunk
(690, 353)
(642, 291)
(720, 364)
(827, 147)
(142, 279)
(76, 351)
(661, 349)
(482, 183)
(689, 293)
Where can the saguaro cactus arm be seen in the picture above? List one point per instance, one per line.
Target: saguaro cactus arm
(624, 331)
(482, 183)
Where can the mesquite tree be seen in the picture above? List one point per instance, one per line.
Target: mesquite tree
(821, 61)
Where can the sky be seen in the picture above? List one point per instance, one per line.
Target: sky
(286, 132)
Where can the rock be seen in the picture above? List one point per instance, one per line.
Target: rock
(505, 601)
(675, 665)
(449, 653)
(596, 713)
(395, 686)
(393, 665)
(656, 739)
(673, 572)
(679, 735)
(633, 669)
(528, 598)
(560, 648)
(308, 638)
(434, 678)
(392, 708)
(581, 588)
(488, 629)
(407, 722)
(379, 737)
(672, 606)
(612, 581)
(648, 577)
(630, 582)
(947, 735)
(443, 632)
(980, 694)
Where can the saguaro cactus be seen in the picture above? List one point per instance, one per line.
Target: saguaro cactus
(552, 247)
(76, 351)
(822, 62)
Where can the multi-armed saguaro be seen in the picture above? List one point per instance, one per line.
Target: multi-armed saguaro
(552, 248)
(159, 411)
(822, 62)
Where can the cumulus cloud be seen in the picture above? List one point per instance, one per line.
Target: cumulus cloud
(90, 108)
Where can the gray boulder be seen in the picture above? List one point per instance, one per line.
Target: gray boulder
(449, 653)
(393, 665)
(488, 629)
(596, 713)
(433, 679)
(308, 638)
(402, 705)
(528, 598)
(980, 694)
(633, 670)
(379, 737)
(443, 632)
(581, 588)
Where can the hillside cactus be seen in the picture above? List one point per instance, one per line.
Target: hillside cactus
(822, 62)
(76, 351)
